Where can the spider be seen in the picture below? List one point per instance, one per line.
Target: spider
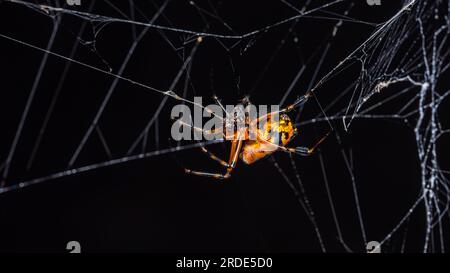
(265, 144)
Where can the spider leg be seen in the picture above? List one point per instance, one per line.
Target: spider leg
(235, 150)
(213, 175)
(305, 151)
(214, 157)
(303, 99)
(219, 103)
(205, 132)
(297, 103)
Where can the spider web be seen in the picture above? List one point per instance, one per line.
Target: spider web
(392, 72)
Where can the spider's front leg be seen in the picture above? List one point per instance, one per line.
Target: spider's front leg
(303, 99)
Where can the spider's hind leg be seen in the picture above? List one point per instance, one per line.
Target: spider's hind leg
(305, 151)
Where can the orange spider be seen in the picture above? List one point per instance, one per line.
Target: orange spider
(265, 144)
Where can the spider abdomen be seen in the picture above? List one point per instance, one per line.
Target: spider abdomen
(254, 151)
(269, 139)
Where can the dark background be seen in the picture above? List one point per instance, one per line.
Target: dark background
(150, 205)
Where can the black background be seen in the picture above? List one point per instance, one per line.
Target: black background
(150, 205)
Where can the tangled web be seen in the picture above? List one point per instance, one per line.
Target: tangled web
(394, 71)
